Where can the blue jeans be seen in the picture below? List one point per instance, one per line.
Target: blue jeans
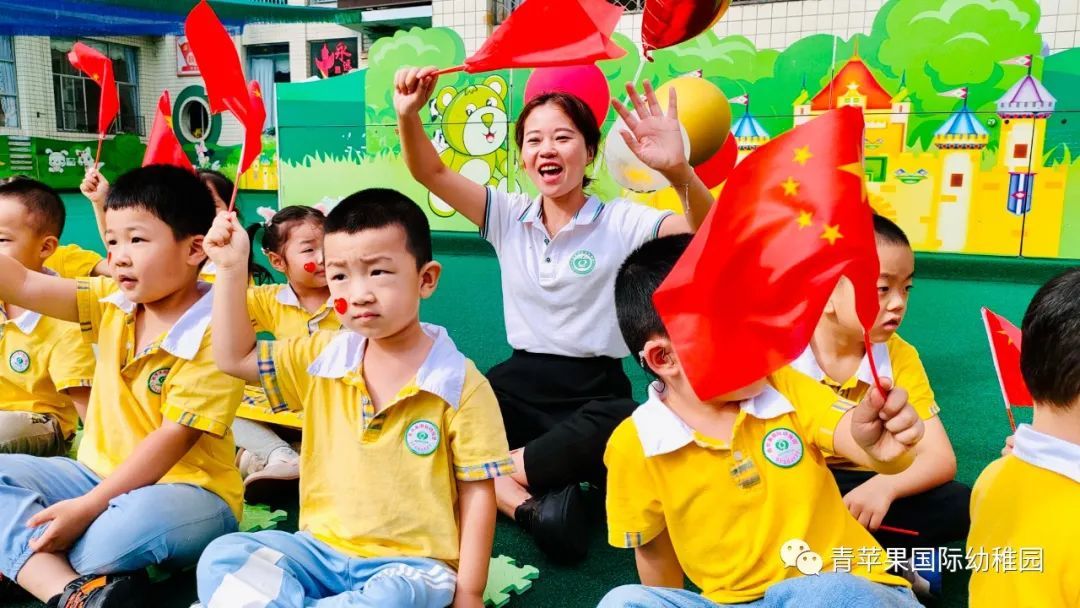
(276, 569)
(167, 524)
(826, 590)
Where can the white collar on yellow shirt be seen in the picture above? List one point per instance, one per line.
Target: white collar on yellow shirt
(807, 363)
(442, 373)
(287, 296)
(185, 336)
(1047, 452)
(662, 431)
(28, 321)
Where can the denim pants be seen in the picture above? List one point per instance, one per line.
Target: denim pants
(826, 590)
(275, 569)
(165, 524)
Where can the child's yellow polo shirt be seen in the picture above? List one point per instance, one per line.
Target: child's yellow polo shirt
(385, 484)
(1024, 545)
(72, 261)
(730, 508)
(276, 309)
(174, 378)
(896, 359)
(43, 358)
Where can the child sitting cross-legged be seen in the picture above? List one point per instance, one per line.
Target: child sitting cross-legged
(402, 434)
(734, 491)
(154, 481)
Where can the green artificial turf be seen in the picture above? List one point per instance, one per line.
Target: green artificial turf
(943, 323)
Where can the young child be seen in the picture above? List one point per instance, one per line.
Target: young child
(155, 480)
(924, 498)
(46, 369)
(1024, 535)
(402, 435)
(734, 491)
(96, 188)
(292, 240)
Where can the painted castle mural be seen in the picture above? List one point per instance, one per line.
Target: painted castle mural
(969, 142)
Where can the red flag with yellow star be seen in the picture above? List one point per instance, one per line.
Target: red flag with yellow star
(793, 218)
(162, 147)
(98, 68)
(1004, 340)
(254, 122)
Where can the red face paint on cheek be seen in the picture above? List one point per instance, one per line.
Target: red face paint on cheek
(108, 258)
(311, 267)
(341, 306)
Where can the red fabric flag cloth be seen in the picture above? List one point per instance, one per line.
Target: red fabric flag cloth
(1005, 341)
(253, 126)
(744, 298)
(545, 33)
(218, 62)
(162, 147)
(99, 68)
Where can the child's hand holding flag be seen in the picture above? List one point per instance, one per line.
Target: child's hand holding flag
(227, 244)
(886, 427)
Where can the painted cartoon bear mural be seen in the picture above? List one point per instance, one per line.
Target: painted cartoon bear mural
(472, 135)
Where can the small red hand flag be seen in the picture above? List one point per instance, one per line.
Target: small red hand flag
(99, 68)
(218, 62)
(1005, 340)
(745, 297)
(546, 33)
(162, 148)
(253, 126)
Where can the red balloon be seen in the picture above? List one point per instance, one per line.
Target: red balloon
(668, 22)
(584, 81)
(715, 170)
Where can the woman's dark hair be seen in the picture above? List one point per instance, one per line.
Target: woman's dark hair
(577, 110)
(276, 231)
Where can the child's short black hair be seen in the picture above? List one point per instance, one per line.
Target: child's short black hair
(43, 204)
(380, 207)
(888, 232)
(174, 195)
(639, 276)
(1050, 353)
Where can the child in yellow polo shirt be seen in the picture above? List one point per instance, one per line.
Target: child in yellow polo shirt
(45, 368)
(925, 498)
(402, 435)
(155, 480)
(734, 491)
(71, 262)
(1024, 545)
(292, 240)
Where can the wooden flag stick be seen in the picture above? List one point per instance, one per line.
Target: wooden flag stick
(895, 530)
(457, 68)
(873, 364)
(97, 155)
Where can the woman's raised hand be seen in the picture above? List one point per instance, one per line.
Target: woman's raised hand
(413, 88)
(653, 135)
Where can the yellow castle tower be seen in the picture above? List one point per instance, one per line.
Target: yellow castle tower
(961, 140)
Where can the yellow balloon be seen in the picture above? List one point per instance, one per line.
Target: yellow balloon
(703, 111)
(668, 199)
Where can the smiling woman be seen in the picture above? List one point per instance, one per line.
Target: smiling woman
(563, 390)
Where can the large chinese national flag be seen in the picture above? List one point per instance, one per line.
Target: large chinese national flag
(792, 219)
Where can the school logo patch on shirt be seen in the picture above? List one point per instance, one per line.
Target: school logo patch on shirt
(783, 447)
(583, 261)
(422, 437)
(156, 381)
(19, 361)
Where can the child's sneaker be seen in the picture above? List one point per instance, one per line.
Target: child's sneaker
(126, 590)
(273, 482)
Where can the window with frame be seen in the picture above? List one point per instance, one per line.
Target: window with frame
(501, 9)
(77, 97)
(9, 91)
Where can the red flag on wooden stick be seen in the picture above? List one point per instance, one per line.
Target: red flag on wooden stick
(219, 63)
(545, 33)
(163, 148)
(99, 68)
(793, 218)
(1005, 338)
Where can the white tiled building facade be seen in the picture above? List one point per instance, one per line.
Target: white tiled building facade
(768, 24)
